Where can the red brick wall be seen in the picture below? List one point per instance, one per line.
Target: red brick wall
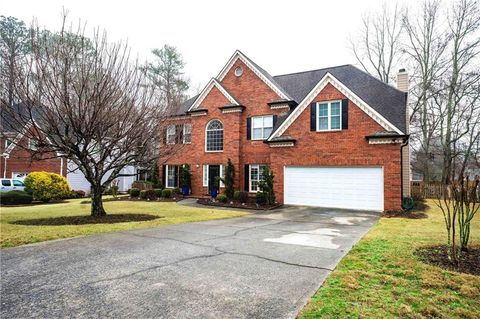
(340, 148)
(20, 160)
(345, 148)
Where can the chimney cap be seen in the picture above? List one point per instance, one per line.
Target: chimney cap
(402, 70)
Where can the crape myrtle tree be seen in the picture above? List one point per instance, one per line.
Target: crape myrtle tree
(89, 101)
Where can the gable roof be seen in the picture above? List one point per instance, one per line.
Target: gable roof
(213, 83)
(383, 99)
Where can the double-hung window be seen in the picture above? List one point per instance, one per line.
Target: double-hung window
(187, 133)
(262, 127)
(256, 175)
(171, 178)
(329, 116)
(171, 132)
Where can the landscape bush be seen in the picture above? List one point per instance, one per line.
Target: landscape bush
(241, 196)
(176, 191)
(134, 192)
(79, 193)
(150, 194)
(45, 186)
(143, 194)
(222, 198)
(166, 193)
(261, 198)
(158, 192)
(15, 198)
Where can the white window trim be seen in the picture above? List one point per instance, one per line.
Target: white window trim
(166, 176)
(184, 133)
(263, 127)
(205, 176)
(30, 146)
(169, 134)
(206, 129)
(8, 142)
(250, 176)
(329, 115)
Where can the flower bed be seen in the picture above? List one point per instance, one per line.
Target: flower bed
(250, 204)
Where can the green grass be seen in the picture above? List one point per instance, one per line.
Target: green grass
(382, 278)
(12, 234)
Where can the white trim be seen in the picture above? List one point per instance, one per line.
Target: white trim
(223, 129)
(329, 116)
(263, 127)
(239, 55)
(386, 140)
(329, 78)
(250, 176)
(213, 83)
(205, 176)
(191, 135)
(169, 134)
(238, 109)
(166, 177)
(280, 106)
(281, 144)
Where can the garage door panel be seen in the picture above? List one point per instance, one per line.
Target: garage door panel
(341, 187)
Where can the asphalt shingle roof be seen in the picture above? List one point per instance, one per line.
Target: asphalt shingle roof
(383, 98)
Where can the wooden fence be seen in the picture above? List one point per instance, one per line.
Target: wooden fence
(426, 190)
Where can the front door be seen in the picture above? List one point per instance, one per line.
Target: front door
(213, 174)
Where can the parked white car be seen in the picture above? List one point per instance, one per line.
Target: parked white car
(10, 184)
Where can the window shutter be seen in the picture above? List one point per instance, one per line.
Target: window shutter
(179, 134)
(344, 114)
(275, 117)
(249, 128)
(247, 178)
(164, 175)
(165, 135)
(313, 117)
(222, 175)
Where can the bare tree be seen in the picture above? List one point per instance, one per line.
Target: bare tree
(377, 48)
(89, 102)
(459, 106)
(425, 46)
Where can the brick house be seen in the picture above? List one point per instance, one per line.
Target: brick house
(333, 137)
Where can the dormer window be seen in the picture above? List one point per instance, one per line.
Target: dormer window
(262, 127)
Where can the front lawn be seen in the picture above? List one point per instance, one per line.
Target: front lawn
(40, 222)
(381, 277)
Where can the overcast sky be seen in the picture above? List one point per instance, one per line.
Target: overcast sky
(280, 36)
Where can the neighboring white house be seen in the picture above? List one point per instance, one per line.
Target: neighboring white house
(77, 180)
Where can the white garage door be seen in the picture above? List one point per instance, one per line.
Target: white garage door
(339, 187)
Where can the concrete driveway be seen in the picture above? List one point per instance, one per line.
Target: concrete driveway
(261, 266)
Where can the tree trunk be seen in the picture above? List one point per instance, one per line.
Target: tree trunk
(97, 204)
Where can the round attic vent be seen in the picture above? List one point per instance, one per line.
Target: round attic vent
(238, 71)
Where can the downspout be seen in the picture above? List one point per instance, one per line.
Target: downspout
(61, 166)
(5, 156)
(405, 143)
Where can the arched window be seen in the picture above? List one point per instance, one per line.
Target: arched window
(214, 136)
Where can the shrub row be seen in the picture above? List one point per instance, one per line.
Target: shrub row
(15, 198)
(152, 194)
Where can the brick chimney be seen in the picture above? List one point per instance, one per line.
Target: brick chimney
(402, 85)
(402, 80)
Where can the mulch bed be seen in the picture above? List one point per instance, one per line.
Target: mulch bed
(404, 214)
(87, 220)
(235, 204)
(137, 199)
(437, 256)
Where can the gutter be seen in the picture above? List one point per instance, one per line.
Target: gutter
(405, 143)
